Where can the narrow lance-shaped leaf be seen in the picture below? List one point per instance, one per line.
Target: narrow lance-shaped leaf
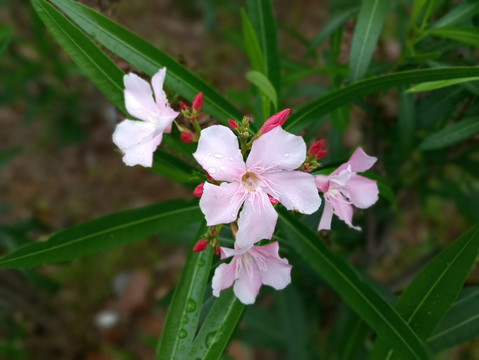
(253, 49)
(93, 63)
(453, 134)
(372, 16)
(104, 233)
(460, 324)
(434, 85)
(146, 57)
(184, 312)
(354, 291)
(216, 330)
(264, 85)
(336, 98)
(433, 291)
(458, 14)
(468, 36)
(261, 14)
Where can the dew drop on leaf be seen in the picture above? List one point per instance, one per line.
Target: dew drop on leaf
(190, 305)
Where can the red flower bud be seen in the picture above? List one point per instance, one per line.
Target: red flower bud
(198, 102)
(273, 200)
(317, 149)
(275, 120)
(198, 192)
(233, 124)
(183, 106)
(187, 137)
(217, 251)
(213, 232)
(208, 176)
(201, 245)
(306, 166)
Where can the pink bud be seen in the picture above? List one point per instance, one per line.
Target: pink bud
(217, 251)
(275, 120)
(201, 245)
(306, 166)
(187, 137)
(198, 102)
(183, 106)
(273, 200)
(233, 124)
(317, 149)
(198, 192)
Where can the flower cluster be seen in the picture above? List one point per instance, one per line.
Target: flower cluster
(248, 175)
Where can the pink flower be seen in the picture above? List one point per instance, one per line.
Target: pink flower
(344, 188)
(275, 120)
(139, 139)
(249, 269)
(268, 171)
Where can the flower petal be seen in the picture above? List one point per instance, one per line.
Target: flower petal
(326, 217)
(157, 83)
(277, 150)
(221, 204)
(139, 98)
(257, 220)
(343, 210)
(363, 192)
(359, 162)
(295, 190)
(224, 277)
(322, 182)
(138, 141)
(276, 271)
(218, 153)
(247, 285)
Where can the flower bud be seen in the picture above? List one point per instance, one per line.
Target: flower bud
(275, 120)
(198, 192)
(187, 137)
(201, 245)
(273, 200)
(317, 149)
(232, 124)
(217, 251)
(183, 106)
(198, 102)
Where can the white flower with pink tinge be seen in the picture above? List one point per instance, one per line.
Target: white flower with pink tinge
(249, 269)
(138, 140)
(267, 171)
(344, 188)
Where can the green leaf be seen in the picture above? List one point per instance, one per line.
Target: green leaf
(174, 168)
(372, 16)
(337, 98)
(468, 36)
(458, 15)
(406, 122)
(416, 10)
(93, 63)
(5, 38)
(264, 85)
(352, 288)
(334, 24)
(253, 48)
(451, 135)
(460, 324)
(261, 14)
(218, 327)
(147, 58)
(184, 312)
(433, 85)
(104, 233)
(433, 291)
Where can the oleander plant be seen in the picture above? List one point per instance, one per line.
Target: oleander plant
(334, 203)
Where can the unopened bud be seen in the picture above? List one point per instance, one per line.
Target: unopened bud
(232, 124)
(306, 166)
(275, 120)
(217, 251)
(317, 149)
(273, 200)
(198, 102)
(201, 245)
(198, 192)
(187, 137)
(213, 232)
(183, 106)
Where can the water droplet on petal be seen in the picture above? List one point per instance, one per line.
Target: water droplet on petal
(218, 155)
(286, 154)
(212, 170)
(190, 305)
(231, 159)
(222, 168)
